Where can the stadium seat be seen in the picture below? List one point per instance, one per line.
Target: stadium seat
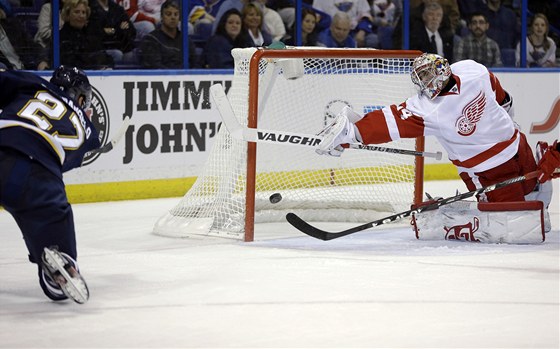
(27, 13)
(203, 31)
(508, 57)
(385, 35)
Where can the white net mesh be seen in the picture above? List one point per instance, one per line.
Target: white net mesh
(353, 187)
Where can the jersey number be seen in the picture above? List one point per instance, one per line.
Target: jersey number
(46, 108)
(403, 112)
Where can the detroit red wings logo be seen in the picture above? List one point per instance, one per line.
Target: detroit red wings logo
(463, 231)
(472, 112)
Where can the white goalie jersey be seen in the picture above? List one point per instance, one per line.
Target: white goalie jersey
(468, 120)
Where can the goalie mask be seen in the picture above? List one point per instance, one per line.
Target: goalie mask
(75, 83)
(430, 72)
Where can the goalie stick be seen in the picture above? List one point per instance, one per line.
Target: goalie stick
(109, 146)
(241, 132)
(317, 233)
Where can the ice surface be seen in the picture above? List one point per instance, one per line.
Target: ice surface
(379, 288)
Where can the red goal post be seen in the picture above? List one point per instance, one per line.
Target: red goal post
(301, 90)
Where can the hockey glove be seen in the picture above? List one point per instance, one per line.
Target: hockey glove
(549, 162)
(339, 133)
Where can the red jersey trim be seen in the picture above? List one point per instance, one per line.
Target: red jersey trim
(487, 154)
(373, 128)
(497, 88)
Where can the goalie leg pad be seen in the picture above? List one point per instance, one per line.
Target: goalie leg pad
(543, 192)
(489, 222)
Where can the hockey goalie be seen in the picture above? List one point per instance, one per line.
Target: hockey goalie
(465, 107)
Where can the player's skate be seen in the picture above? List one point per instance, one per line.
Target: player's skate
(61, 272)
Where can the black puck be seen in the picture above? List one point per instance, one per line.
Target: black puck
(275, 198)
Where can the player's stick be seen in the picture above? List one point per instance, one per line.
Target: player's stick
(109, 146)
(241, 132)
(317, 233)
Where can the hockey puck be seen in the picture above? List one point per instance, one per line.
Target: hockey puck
(275, 198)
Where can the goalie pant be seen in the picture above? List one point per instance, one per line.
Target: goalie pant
(490, 222)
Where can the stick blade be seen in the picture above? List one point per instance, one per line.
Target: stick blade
(317, 233)
(306, 228)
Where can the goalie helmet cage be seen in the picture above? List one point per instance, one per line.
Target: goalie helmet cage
(301, 90)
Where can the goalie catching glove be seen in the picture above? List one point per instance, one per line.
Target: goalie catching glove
(549, 162)
(339, 133)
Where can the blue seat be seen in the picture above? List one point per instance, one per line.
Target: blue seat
(203, 30)
(385, 35)
(28, 13)
(508, 57)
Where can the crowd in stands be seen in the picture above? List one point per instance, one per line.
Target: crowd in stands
(146, 34)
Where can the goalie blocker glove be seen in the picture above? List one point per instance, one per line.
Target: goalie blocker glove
(489, 222)
(339, 133)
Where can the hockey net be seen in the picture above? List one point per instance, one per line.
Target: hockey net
(301, 90)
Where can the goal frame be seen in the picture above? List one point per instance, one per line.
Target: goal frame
(253, 108)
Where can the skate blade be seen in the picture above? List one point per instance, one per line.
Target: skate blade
(75, 288)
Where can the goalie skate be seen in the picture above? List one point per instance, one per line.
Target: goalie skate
(60, 269)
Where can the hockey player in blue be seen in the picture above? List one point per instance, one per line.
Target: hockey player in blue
(44, 131)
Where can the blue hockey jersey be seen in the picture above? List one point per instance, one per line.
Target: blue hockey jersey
(40, 120)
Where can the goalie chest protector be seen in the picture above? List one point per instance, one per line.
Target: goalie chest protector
(495, 222)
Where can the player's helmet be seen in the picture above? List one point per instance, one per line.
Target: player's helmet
(430, 72)
(74, 82)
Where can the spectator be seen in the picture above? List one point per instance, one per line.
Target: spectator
(308, 29)
(361, 20)
(80, 44)
(356, 9)
(338, 35)
(162, 48)
(450, 11)
(503, 24)
(384, 20)
(204, 11)
(272, 22)
(224, 7)
(43, 36)
(541, 49)
(428, 37)
(417, 21)
(551, 9)
(476, 45)
(118, 31)
(17, 48)
(202, 15)
(286, 10)
(252, 25)
(144, 22)
(383, 13)
(229, 35)
(152, 8)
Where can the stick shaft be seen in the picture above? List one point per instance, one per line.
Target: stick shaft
(241, 132)
(111, 144)
(317, 233)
